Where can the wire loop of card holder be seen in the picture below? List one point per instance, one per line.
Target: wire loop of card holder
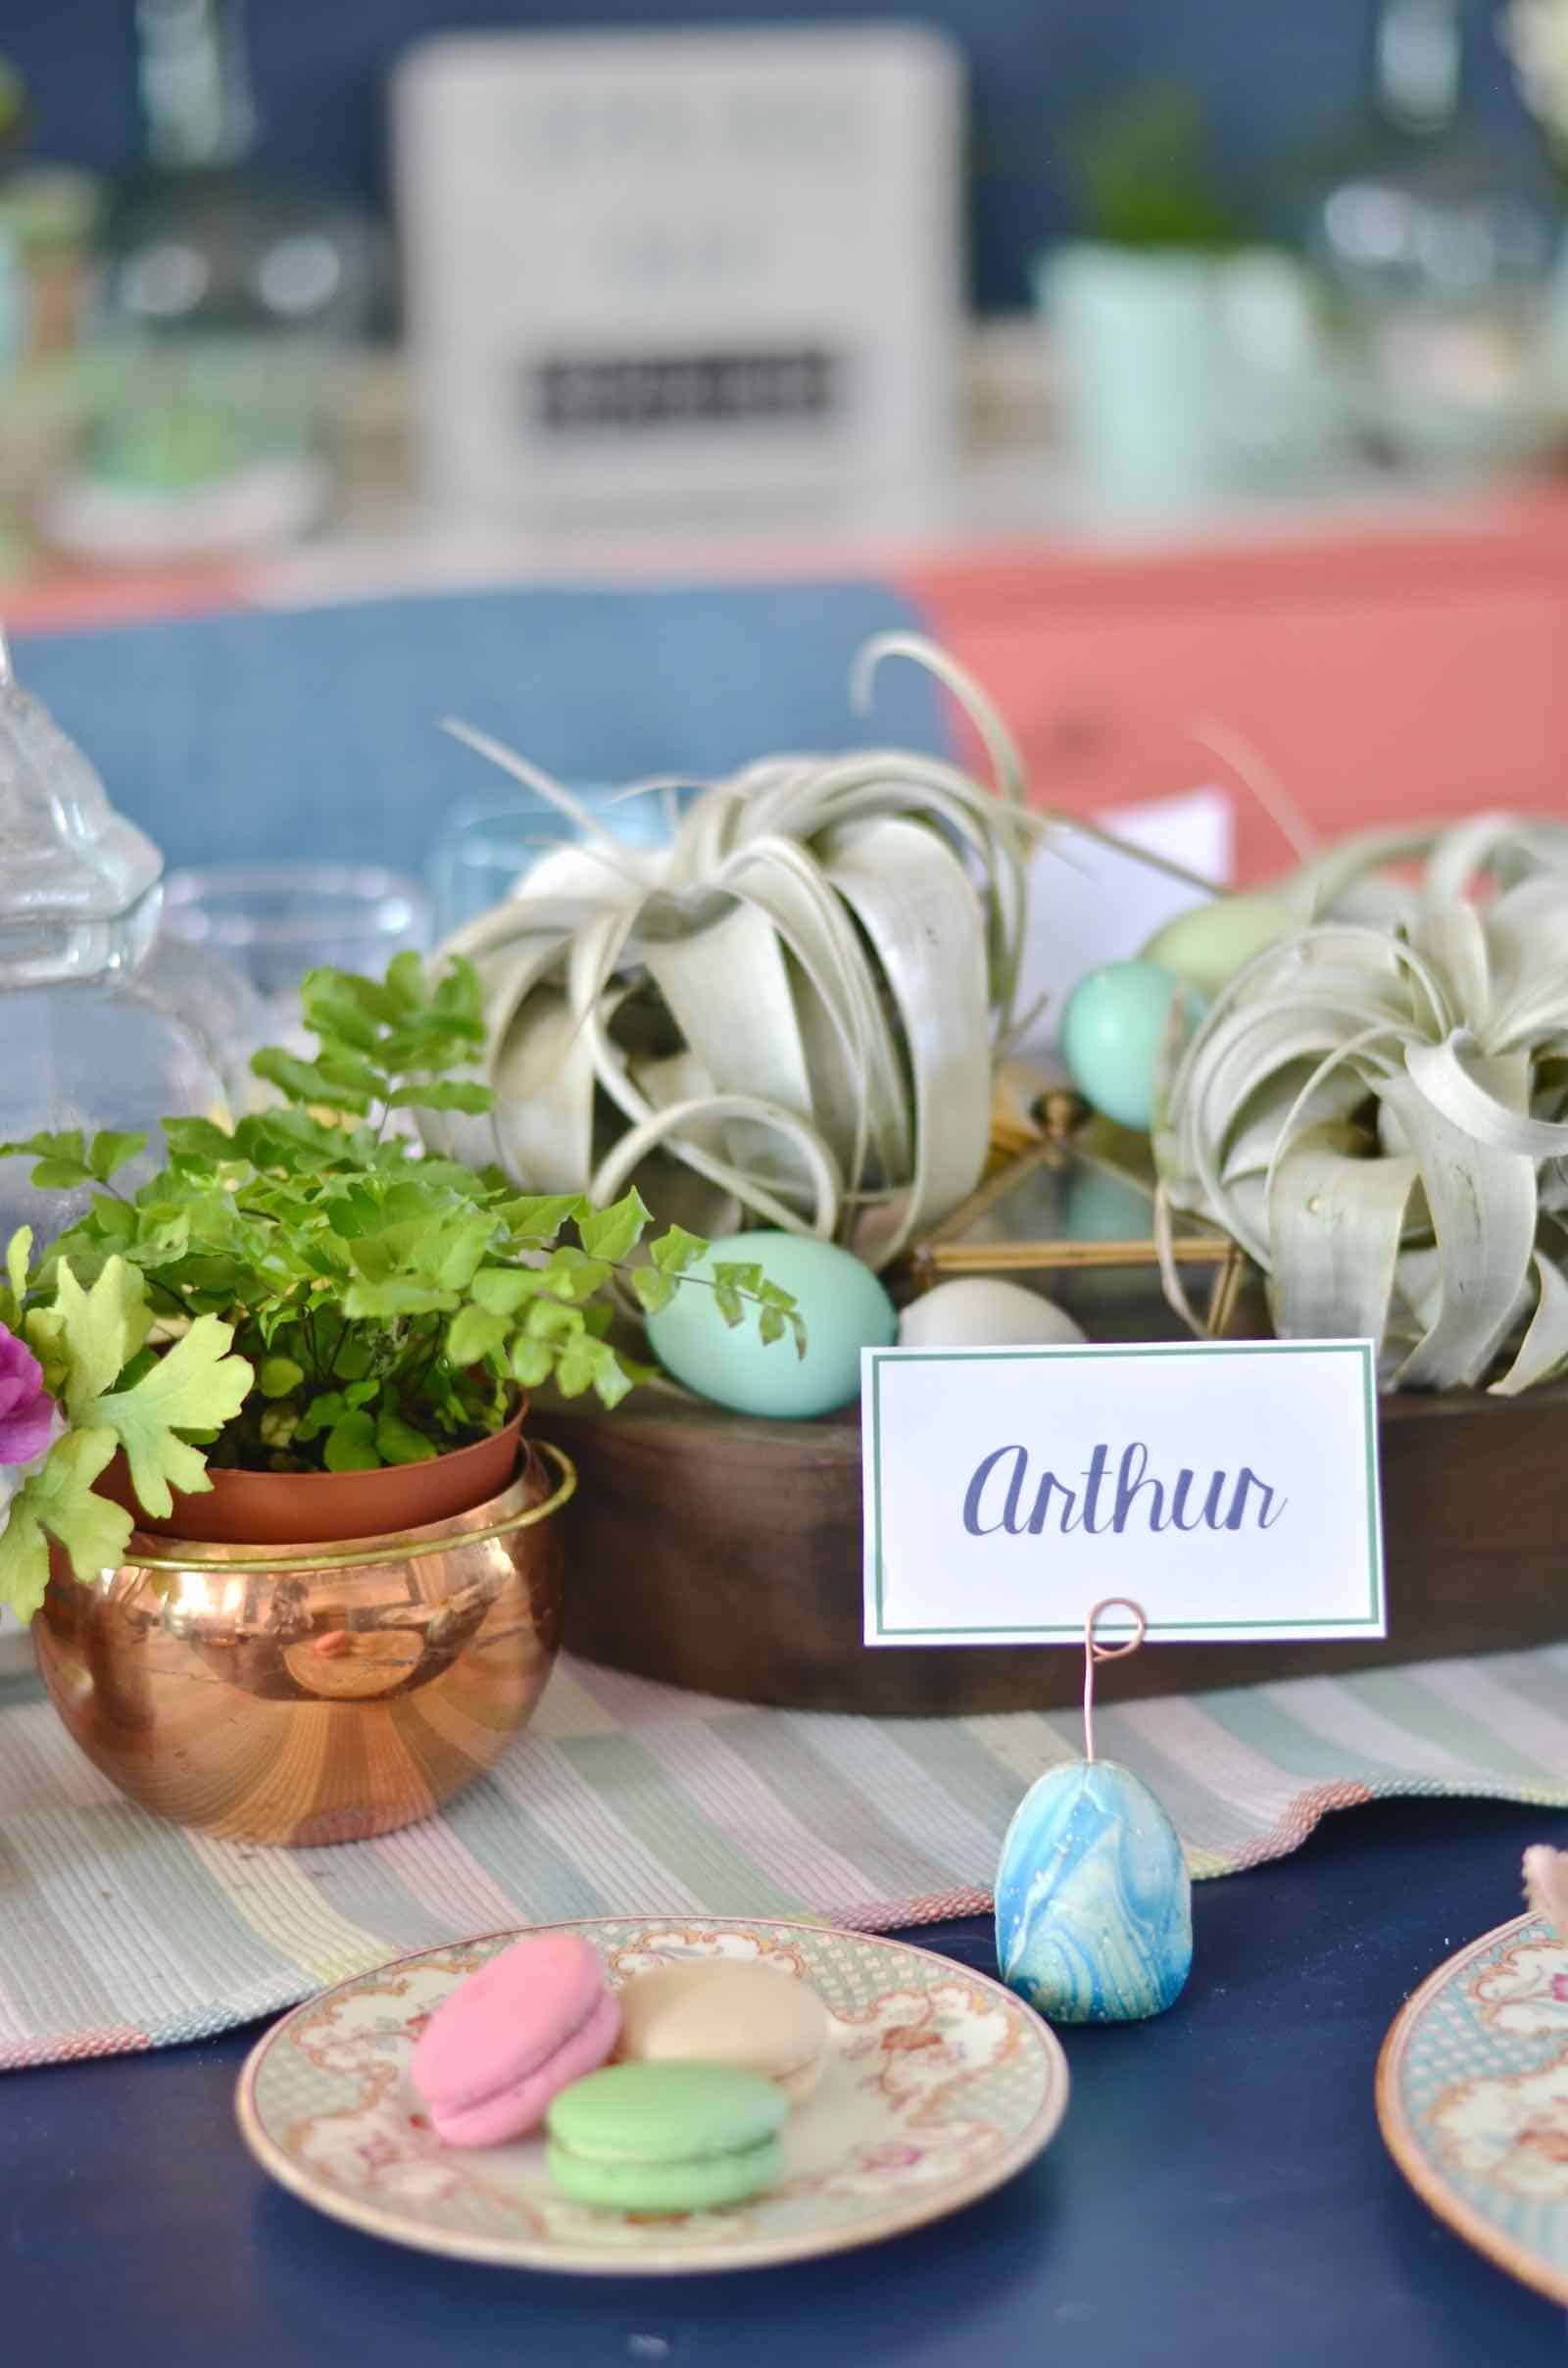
(1093, 1652)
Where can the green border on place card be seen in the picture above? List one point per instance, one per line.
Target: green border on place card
(1376, 1622)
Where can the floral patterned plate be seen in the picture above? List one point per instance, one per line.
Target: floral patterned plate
(938, 2086)
(1472, 2095)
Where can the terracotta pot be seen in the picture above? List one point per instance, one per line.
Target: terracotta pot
(320, 1508)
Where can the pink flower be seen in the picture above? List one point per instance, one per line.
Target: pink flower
(27, 1409)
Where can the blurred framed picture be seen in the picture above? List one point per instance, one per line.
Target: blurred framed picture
(681, 264)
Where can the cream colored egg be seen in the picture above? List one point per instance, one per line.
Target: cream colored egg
(977, 1311)
(1208, 945)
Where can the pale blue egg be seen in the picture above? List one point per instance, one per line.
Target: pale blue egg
(1094, 1901)
(843, 1305)
(1113, 1030)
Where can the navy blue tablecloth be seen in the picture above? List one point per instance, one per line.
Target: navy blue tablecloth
(1219, 2195)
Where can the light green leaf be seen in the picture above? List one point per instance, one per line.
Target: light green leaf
(197, 1139)
(19, 1256)
(351, 1445)
(452, 1092)
(473, 1333)
(532, 1361)
(60, 1498)
(69, 1149)
(538, 1216)
(552, 1319)
(196, 1386)
(579, 1365)
(746, 1277)
(61, 1160)
(398, 1442)
(96, 1332)
(110, 1150)
(502, 1289)
(60, 1175)
(114, 1220)
(395, 1298)
(323, 1409)
(653, 1290)
(456, 1253)
(279, 1376)
(571, 1275)
(308, 1082)
(331, 1008)
(612, 1376)
(673, 1251)
(405, 980)
(612, 1233)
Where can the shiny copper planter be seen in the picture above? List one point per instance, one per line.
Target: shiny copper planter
(300, 1695)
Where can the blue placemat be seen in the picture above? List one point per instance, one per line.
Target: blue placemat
(261, 734)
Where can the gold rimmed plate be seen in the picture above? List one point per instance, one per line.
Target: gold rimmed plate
(938, 2085)
(1472, 2096)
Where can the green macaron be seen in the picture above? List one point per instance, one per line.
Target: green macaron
(666, 2137)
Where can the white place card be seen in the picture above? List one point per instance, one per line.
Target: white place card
(1090, 903)
(1229, 1487)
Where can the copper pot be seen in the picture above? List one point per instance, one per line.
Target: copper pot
(311, 1694)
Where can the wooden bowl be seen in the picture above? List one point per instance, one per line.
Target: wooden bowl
(721, 1552)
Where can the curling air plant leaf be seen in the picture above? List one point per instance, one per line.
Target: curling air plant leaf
(799, 1000)
(1377, 1107)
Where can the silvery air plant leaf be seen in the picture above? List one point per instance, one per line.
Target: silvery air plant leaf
(1377, 1107)
(799, 1000)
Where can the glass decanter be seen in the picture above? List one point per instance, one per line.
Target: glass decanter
(1440, 248)
(226, 301)
(103, 1025)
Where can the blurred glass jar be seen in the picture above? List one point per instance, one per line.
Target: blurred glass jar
(223, 303)
(1442, 250)
(273, 922)
(489, 843)
(102, 1026)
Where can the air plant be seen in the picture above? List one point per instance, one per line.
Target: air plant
(1377, 1107)
(799, 999)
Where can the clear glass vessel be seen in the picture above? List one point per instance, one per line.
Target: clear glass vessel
(1441, 247)
(224, 299)
(98, 1027)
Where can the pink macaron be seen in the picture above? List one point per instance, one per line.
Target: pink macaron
(512, 2037)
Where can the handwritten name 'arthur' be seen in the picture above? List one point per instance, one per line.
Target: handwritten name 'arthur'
(1000, 1497)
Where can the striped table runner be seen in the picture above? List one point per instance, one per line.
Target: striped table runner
(119, 1931)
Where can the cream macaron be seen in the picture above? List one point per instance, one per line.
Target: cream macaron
(715, 2011)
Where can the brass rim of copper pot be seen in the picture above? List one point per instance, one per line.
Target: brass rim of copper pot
(385, 1548)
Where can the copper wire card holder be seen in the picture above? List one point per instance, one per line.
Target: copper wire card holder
(1095, 1653)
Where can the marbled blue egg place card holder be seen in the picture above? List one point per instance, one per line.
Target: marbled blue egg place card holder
(1229, 1487)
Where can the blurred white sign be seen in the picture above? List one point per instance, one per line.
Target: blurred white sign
(643, 263)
